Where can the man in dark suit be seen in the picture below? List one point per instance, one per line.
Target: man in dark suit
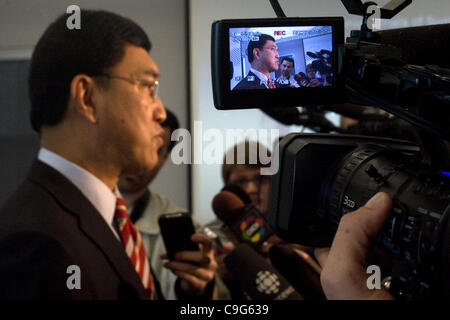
(94, 105)
(263, 57)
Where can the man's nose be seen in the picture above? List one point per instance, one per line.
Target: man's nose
(251, 187)
(160, 111)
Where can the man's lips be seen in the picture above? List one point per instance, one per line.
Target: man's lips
(160, 138)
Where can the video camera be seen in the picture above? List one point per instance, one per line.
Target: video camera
(404, 150)
(322, 63)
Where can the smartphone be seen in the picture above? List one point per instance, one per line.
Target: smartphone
(177, 229)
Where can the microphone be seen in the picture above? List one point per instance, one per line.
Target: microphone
(258, 279)
(245, 221)
(239, 192)
(304, 275)
(301, 79)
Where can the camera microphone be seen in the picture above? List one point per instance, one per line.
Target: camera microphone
(245, 221)
(315, 55)
(257, 278)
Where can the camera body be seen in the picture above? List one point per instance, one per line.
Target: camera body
(231, 65)
(321, 177)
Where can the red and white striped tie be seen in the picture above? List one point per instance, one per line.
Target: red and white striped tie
(270, 84)
(132, 241)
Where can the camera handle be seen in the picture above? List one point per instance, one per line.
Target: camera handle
(277, 8)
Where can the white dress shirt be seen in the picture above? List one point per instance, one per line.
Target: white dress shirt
(291, 80)
(98, 194)
(262, 77)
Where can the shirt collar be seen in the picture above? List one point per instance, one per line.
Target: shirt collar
(262, 77)
(100, 196)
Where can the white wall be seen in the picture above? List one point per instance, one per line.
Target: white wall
(206, 178)
(23, 21)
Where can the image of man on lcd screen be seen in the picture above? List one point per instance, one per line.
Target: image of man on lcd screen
(286, 80)
(264, 59)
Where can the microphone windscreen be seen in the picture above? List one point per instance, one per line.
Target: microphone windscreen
(257, 278)
(297, 271)
(225, 204)
(245, 221)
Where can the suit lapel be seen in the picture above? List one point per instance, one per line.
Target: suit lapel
(257, 81)
(90, 221)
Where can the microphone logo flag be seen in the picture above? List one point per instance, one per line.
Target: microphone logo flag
(267, 282)
(252, 229)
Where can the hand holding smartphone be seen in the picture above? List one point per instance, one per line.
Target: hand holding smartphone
(177, 229)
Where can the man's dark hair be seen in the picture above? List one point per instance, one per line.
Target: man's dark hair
(288, 59)
(263, 38)
(253, 150)
(61, 54)
(172, 123)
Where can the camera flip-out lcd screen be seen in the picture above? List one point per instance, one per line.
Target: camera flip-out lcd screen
(290, 57)
(276, 62)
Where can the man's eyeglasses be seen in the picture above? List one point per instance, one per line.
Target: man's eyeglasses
(273, 49)
(151, 86)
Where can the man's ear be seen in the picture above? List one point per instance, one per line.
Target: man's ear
(82, 88)
(257, 53)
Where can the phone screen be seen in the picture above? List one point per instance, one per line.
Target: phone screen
(177, 229)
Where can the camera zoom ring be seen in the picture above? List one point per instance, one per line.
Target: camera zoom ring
(349, 164)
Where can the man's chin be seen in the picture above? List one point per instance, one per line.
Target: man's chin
(141, 169)
(131, 178)
(136, 182)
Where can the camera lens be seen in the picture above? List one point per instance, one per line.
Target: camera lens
(420, 208)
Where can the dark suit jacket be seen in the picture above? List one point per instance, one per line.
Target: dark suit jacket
(48, 225)
(251, 81)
